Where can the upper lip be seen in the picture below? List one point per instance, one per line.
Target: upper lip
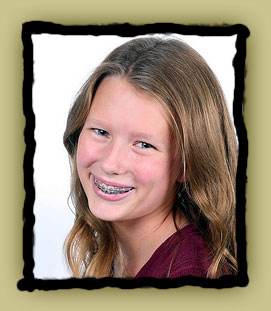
(111, 183)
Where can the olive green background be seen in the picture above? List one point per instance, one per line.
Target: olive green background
(256, 16)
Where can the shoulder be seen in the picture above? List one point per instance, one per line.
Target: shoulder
(192, 256)
(184, 253)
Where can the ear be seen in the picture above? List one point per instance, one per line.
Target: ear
(183, 174)
(183, 177)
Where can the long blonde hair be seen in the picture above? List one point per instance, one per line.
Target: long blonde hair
(203, 142)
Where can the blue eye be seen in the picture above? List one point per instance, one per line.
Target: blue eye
(144, 145)
(101, 132)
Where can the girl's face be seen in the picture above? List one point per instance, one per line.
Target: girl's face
(123, 155)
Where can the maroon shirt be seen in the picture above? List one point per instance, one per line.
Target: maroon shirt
(189, 253)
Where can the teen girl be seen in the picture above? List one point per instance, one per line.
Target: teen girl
(153, 156)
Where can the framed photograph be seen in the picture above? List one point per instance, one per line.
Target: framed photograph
(69, 66)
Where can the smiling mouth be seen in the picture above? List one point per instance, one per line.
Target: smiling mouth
(111, 189)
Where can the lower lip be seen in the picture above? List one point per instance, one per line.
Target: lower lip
(110, 197)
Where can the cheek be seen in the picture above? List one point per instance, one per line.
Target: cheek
(151, 171)
(86, 152)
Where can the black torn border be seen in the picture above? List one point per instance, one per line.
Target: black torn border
(29, 283)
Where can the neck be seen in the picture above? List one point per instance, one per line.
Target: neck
(139, 240)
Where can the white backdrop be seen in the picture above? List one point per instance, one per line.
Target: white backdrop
(61, 66)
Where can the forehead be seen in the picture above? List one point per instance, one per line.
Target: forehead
(117, 101)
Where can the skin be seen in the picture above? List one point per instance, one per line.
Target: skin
(126, 140)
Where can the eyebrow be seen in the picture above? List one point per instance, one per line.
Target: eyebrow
(96, 122)
(144, 135)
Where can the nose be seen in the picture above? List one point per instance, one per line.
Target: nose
(113, 159)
